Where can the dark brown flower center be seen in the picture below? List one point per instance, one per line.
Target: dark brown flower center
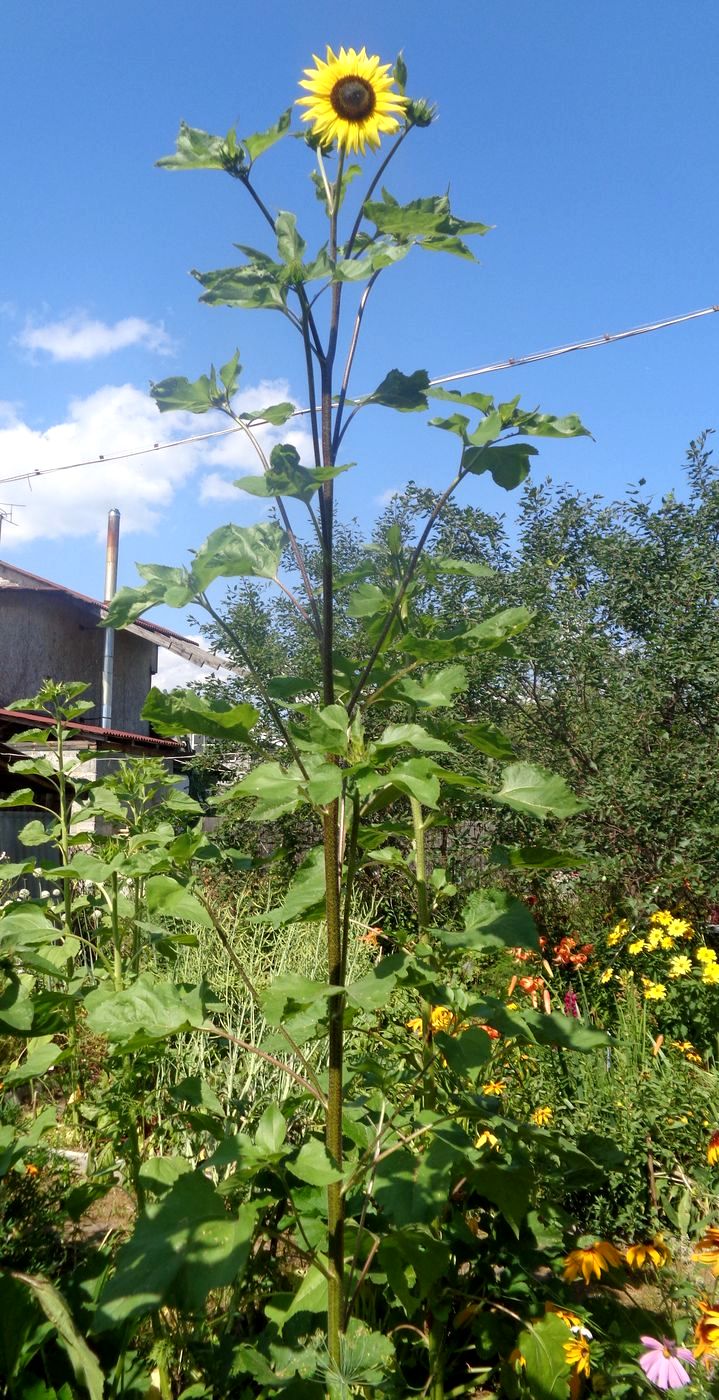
(353, 99)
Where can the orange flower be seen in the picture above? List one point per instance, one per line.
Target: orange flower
(32, 1170)
(530, 985)
(706, 1334)
(491, 1032)
(591, 1262)
(713, 1149)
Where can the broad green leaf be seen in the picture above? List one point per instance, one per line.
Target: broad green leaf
(83, 1361)
(239, 551)
(14, 1145)
(290, 993)
(369, 601)
(557, 1029)
(493, 919)
(416, 777)
(405, 392)
(546, 1371)
(326, 729)
(483, 402)
(509, 1188)
(287, 477)
(34, 834)
(536, 858)
(314, 1165)
(167, 897)
(546, 425)
(311, 1297)
(22, 929)
(39, 1059)
(413, 736)
(486, 738)
(230, 373)
(252, 286)
(424, 219)
(158, 1174)
(461, 566)
(271, 1129)
(278, 790)
(305, 898)
(197, 150)
(261, 141)
(436, 691)
(290, 245)
(190, 396)
(171, 586)
(467, 1052)
(182, 1247)
(526, 788)
(508, 464)
(174, 712)
(22, 797)
(374, 990)
(147, 1011)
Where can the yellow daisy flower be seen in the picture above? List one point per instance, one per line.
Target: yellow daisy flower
(706, 955)
(639, 1255)
(542, 1116)
(619, 932)
(494, 1088)
(663, 917)
(607, 975)
(710, 974)
(680, 928)
(654, 991)
(592, 1262)
(351, 99)
(577, 1355)
(680, 966)
(637, 946)
(487, 1139)
(655, 939)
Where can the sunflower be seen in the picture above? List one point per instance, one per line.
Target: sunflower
(593, 1261)
(352, 100)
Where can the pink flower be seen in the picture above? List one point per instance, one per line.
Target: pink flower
(662, 1363)
(571, 1005)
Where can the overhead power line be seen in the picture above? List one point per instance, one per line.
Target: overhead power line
(513, 362)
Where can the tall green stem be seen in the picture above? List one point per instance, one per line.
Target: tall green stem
(435, 1330)
(64, 843)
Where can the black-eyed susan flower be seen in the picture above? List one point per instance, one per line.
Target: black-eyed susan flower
(706, 1251)
(713, 1149)
(542, 1117)
(706, 1334)
(577, 1355)
(591, 1262)
(494, 1088)
(654, 1252)
(352, 99)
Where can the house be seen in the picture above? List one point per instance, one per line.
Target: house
(48, 631)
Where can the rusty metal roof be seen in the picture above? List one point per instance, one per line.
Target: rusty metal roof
(117, 738)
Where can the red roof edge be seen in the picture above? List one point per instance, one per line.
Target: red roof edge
(94, 731)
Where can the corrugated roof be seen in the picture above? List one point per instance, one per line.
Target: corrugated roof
(152, 631)
(21, 719)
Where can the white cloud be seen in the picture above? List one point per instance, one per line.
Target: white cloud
(174, 673)
(387, 496)
(77, 337)
(115, 419)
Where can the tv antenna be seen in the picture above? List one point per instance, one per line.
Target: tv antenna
(6, 510)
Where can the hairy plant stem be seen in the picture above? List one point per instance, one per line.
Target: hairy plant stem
(331, 842)
(65, 805)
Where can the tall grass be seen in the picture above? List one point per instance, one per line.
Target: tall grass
(243, 1081)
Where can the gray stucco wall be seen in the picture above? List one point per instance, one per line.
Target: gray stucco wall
(43, 634)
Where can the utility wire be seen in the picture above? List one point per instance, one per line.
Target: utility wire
(512, 363)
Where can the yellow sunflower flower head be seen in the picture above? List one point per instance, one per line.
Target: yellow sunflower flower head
(654, 1252)
(578, 1356)
(352, 99)
(706, 1336)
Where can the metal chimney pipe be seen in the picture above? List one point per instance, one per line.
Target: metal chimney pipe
(108, 653)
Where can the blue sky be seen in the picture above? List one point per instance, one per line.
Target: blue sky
(585, 134)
